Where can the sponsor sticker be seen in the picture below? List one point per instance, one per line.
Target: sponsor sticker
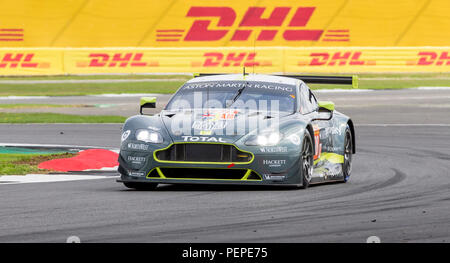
(202, 139)
(136, 159)
(274, 177)
(275, 149)
(274, 163)
(125, 135)
(209, 125)
(137, 146)
(136, 174)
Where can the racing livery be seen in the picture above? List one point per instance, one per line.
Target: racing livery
(239, 129)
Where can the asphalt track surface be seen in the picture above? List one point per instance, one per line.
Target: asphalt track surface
(399, 190)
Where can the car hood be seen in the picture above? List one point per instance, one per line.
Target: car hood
(218, 125)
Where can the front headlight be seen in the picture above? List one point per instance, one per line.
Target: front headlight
(148, 136)
(264, 139)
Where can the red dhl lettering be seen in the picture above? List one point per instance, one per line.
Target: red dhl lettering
(267, 28)
(233, 59)
(348, 58)
(116, 60)
(23, 60)
(431, 59)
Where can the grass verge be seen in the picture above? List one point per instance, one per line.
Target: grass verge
(21, 164)
(367, 81)
(57, 118)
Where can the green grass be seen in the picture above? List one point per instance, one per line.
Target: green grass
(79, 89)
(21, 164)
(367, 81)
(57, 118)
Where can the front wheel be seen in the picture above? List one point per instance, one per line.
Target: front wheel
(348, 151)
(141, 186)
(306, 160)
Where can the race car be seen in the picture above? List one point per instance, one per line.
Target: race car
(246, 129)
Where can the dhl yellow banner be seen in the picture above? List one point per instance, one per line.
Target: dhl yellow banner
(231, 23)
(48, 61)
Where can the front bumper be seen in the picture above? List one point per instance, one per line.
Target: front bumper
(264, 169)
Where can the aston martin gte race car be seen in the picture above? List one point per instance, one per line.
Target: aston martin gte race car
(239, 129)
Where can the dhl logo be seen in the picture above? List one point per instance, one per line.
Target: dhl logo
(431, 59)
(233, 59)
(116, 60)
(348, 58)
(268, 28)
(20, 60)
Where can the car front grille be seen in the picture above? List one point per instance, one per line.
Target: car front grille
(203, 152)
(203, 174)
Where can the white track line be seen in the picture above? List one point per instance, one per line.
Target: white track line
(61, 81)
(58, 146)
(125, 95)
(342, 90)
(23, 97)
(433, 88)
(47, 178)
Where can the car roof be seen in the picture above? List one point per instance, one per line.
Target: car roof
(249, 77)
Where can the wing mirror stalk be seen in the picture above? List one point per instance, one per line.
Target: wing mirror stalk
(147, 102)
(325, 107)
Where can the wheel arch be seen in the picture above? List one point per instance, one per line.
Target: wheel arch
(311, 133)
(352, 130)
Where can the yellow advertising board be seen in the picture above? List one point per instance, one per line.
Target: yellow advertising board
(31, 62)
(217, 23)
(52, 61)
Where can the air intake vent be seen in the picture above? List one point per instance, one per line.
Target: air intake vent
(201, 152)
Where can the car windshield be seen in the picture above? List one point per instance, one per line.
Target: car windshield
(247, 95)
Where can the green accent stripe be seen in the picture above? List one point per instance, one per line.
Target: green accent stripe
(331, 157)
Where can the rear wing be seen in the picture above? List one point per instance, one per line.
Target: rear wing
(340, 80)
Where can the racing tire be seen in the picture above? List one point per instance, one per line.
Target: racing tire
(306, 160)
(348, 151)
(141, 186)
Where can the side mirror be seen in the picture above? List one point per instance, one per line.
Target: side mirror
(327, 105)
(326, 109)
(147, 102)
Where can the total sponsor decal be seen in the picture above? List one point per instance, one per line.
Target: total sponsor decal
(112, 60)
(202, 139)
(274, 163)
(274, 149)
(263, 21)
